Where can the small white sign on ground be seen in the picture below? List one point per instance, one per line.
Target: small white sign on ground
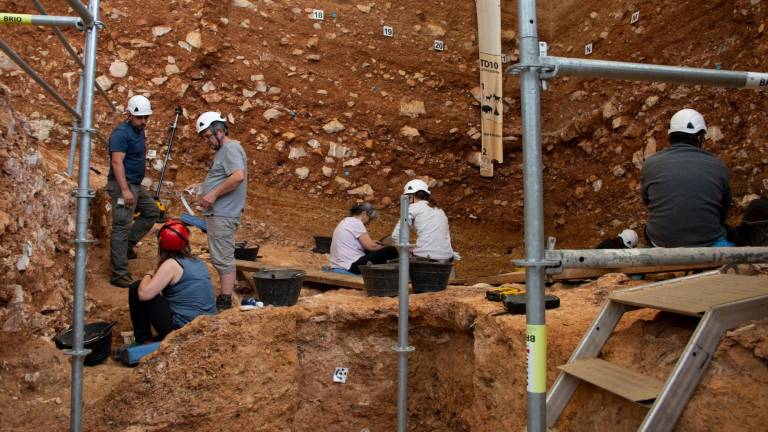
(439, 45)
(389, 31)
(635, 17)
(504, 58)
(151, 154)
(588, 49)
(340, 375)
(317, 14)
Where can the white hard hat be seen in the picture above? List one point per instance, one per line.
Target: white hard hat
(414, 186)
(688, 121)
(204, 121)
(139, 106)
(629, 238)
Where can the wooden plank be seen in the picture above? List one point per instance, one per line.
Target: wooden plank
(589, 273)
(616, 379)
(695, 296)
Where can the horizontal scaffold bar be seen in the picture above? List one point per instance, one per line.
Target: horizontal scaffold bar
(43, 20)
(611, 258)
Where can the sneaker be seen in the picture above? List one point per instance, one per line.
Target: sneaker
(122, 281)
(223, 302)
(132, 254)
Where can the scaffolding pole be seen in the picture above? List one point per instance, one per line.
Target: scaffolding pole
(83, 194)
(75, 126)
(534, 263)
(556, 66)
(75, 57)
(83, 11)
(612, 258)
(43, 20)
(38, 79)
(402, 323)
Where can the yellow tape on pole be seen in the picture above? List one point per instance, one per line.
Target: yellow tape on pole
(9, 18)
(536, 354)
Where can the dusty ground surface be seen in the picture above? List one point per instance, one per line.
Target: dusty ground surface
(270, 370)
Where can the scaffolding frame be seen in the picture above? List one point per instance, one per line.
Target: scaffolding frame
(89, 23)
(534, 69)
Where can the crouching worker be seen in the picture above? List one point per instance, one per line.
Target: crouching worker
(433, 240)
(351, 246)
(176, 293)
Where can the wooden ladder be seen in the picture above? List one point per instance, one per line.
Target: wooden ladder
(721, 301)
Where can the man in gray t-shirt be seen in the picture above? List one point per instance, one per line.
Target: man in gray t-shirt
(223, 199)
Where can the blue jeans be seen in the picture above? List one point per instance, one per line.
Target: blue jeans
(722, 242)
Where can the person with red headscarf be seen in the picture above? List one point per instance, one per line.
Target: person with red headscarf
(176, 293)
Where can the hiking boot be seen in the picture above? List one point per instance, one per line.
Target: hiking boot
(132, 254)
(122, 281)
(223, 302)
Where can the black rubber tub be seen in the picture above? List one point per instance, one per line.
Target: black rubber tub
(322, 244)
(97, 337)
(279, 287)
(380, 280)
(752, 234)
(429, 276)
(247, 253)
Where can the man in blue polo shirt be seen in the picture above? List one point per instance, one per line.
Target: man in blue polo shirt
(127, 148)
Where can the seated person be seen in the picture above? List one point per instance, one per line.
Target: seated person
(176, 293)
(430, 223)
(351, 246)
(627, 239)
(686, 189)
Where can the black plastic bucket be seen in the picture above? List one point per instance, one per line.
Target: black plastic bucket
(97, 337)
(279, 287)
(322, 244)
(380, 280)
(247, 253)
(753, 234)
(429, 276)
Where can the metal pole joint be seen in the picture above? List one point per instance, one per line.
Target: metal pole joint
(83, 193)
(78, 353)
(407, 349)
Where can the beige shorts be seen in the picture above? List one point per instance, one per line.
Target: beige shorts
(221, 242)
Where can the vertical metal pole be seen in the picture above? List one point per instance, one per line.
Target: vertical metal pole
(76, 126)
(402, 329)
(534, 216)
(83, 194)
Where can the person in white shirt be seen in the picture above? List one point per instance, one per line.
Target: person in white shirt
(352, 246)
(430, 223)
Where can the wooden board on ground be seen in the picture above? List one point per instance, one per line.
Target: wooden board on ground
(313, 276)
(588, 273)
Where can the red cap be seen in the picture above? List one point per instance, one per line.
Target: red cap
(173, 236)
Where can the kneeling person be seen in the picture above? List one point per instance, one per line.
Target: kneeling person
(176, 293)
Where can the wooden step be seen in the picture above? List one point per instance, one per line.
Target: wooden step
(616, 379)
(696, 295)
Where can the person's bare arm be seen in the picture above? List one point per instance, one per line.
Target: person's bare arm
(152, 284)
(230, 184)
(368, 243)
(118, 169)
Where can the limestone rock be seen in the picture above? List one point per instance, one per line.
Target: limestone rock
(435, 30)
(208, 87)
(476, 93)
(333, 126)
(364, 190)
(475, 158)
(171, 69)
(341, 181)
(364, 8)
(327, 171)
(296, 152)
(715, 133)
(274, 91)
(313, 143)
(338, 151)
(353, 162)
(302, 172)
(610, 110)
(158, 81)
(409, 132)
(272, 114)
(118, 69)
(243, 4)
(158, 31)
(104, 82)
(412, 108)
(213, 97)
(194, 39)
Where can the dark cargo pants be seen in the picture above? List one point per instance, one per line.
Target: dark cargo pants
(125, 231)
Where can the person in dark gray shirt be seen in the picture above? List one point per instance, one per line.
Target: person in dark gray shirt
(686, 189)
